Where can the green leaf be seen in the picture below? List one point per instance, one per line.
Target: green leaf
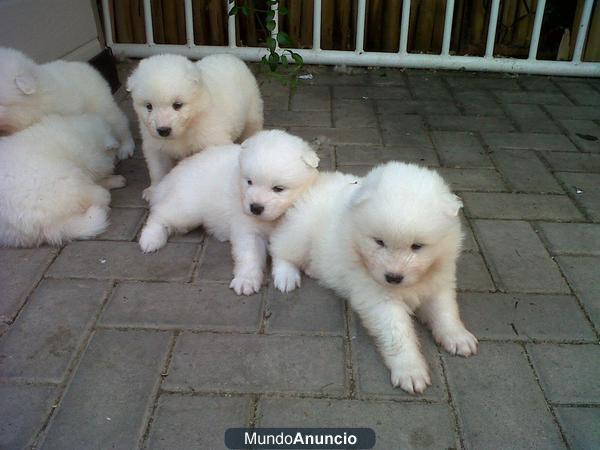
(234, 10)
(270, 25)
(284, 60)
(297, 58)
(270, 15)
(245, 10)
(273, 61)
(284, 39)
(283, 10)
(271, 44)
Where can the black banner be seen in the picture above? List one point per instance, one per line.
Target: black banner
(299, 438)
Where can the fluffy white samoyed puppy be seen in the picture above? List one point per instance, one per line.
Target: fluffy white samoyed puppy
(238, 193)
(184, 107)
(389, 242)
(54, 180)
(30, 91)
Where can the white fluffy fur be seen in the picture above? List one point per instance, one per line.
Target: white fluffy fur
(220, 103)
(216, 188)
(30, 91)
(350, 232)
(54, 180)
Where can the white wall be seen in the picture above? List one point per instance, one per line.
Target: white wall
(50, 29)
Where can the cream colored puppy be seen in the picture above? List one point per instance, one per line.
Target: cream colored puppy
(184, 107)
(388, 242)
(30, 91)
(238, 193)
(54, 181)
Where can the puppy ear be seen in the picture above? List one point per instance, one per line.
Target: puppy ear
(453, 203)
(26, 83)
(131, 81)
(360, 196)
(310, 158)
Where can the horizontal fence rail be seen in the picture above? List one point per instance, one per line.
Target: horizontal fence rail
(360, 57)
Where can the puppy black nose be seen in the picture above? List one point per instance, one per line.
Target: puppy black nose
(257, 209)
(393, 278)
(164, 131)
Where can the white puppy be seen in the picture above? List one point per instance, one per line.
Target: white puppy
(54, 180)
(30, 91)
(184, 107)
(389, 242)
(237, 193)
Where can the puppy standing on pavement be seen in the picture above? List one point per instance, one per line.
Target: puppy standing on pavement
(184, 107)
(389, 242)
(30, 91)
(237, 193)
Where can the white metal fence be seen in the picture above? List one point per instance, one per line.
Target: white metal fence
(359, 57)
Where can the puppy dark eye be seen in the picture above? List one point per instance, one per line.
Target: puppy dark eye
(416, 247)
(177, 106)
(278, 189)
(379, 242)
(149, 106)
(249, 182)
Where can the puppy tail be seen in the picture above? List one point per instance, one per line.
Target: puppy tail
(87, 225)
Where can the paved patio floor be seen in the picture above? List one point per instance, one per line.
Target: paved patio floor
(104, 347)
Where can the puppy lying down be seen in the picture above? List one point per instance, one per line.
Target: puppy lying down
(238, 193)
(54, 180)
(389, 242)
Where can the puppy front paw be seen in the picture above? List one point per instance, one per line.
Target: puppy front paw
(412, 378)
(458, 341)
(246, 284)
(126, 149)
(147, 194)
(286, 276)
(153, 237)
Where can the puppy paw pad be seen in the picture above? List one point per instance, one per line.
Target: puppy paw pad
(246, 285)
(152, 239)
(413, 380)
(458, 342)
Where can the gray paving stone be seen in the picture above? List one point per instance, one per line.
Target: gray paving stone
(573, 162)
(498, 400)
(585, 188)
(580, 426)
(311, 98)
(20, 270)
(416, 107)
(472, 274)
(524, 317)
(23, 413)
(372, 377)
(312, 309)
(353, 113)
(282, 118)
(429, 88)
(476, 82)
(124, 224)
(123, 261)
(185, 422)
(530, 141)
(338, 135)
(136, 173)
(406, 139)
(520, 206)
(216, 263)
(271, 88)
(574, 112)
(535, 98)
(517, 259)
(407, 123)
(360, 170)
(486, 180)
(205, 306)
(324, 75)
(525, 172)
(384, 76)
(479, 103)
(582, 274)
(52, 327)
(257, 363)
(571, 238)
(581, 93)
(107, 402)
(469, 244)
(537, 83)
(371, 92)
(568, 373)
(460, 149)
(396, 425)
(195, 236)
(585, 133)
(531, 119)
(371, 155)
(469, 123)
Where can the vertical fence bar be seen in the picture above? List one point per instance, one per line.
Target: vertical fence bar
(108, 31)
(276, 29)
(317, 25)
(148, 22)
(404, 26)
(189, 23)
(231, 34)
(491, 36)
(448, 27)
(537, 28)
(582, 31)
(360, 26)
